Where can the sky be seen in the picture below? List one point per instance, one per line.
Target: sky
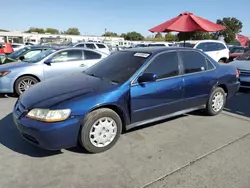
(91, 17)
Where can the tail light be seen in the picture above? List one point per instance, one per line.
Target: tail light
(237, 73)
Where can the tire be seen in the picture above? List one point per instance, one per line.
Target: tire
(18, 82)
(88, 141)
(210, 108)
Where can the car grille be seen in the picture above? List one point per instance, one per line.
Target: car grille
(20, 109)
(244, 73)
(245, 84)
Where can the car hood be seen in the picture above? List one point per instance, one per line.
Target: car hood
(55, 90)
(12, 65)
(242, 65)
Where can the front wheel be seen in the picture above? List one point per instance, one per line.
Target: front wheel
(24, 83)
(100, 130)
(216, 102)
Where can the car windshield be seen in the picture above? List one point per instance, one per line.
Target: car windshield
(39, 56)
(245, 56)
(18, 53)
(118, 67)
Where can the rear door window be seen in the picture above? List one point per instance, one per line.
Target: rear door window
(194, 62)
(91, 46)
(89, 55)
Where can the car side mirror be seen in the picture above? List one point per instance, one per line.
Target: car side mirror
(147, 77)
(21, 58)
(48, 61)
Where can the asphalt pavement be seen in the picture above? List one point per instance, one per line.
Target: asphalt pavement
(190, 151)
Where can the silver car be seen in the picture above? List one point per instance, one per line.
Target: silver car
(17, 77)
(242, 63)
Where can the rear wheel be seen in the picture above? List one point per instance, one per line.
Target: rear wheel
(216, 102)
(24, 83)
(100, 130)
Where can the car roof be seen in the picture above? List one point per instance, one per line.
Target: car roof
(200, 41)
(158, 49)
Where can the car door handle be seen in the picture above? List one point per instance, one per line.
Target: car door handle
(176, 88)
(82, 65)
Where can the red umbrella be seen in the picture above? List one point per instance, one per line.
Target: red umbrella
(187, 22)
(243, 39)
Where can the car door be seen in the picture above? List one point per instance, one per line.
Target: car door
(211, 49)
(90, 58)
(161, 97)
(63, 62)
(199, 76)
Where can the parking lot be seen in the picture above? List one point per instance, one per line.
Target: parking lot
(189, 151)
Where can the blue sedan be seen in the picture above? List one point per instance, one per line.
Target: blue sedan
(125, 90)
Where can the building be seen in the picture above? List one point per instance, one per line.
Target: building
(36, 38)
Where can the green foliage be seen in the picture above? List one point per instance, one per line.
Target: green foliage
(133, 36)
(3, 30)
(72, 31)
(35, 29)
(52, 31)
(195, 36)
(158, 35)
(169, 37)
(123, 35)
(110, 34)
(233, 26)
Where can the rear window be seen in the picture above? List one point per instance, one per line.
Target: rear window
(101, 46)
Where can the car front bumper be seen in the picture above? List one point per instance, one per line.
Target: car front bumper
(6, 85)
(50, 136)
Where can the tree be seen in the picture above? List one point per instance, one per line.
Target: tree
(123, 35)
(110, 34)
(3, 30)
(158, 35)
(36, 30)
(169, 37)
(134, 36)
(52, 31)
(233, 26)
(72, 31)
(194, 36)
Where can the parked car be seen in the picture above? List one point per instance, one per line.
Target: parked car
(125, 90)
(5, 48)
(17, 77)
(242, 63)
(160, 44)
(24, 53)
(93, 45)
(216, 49)
(237, 51)
(17, 46)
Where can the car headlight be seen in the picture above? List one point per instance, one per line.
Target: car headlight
(4, 73)
(47, 115)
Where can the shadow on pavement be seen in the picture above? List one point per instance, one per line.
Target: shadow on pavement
(239, 104)
(10, 138)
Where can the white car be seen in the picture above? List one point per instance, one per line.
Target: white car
(216, 49)
(17, 46)
(94, 45)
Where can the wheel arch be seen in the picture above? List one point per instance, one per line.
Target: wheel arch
(23, 75)
(116, 109)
